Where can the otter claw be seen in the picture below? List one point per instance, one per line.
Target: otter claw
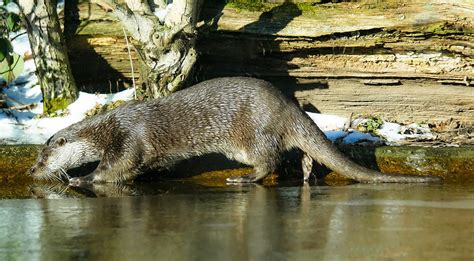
(241, 179)
(77, 182)
(311, 177)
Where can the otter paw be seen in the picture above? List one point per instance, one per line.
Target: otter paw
(249, 178)
(80, 181)
(310, 178)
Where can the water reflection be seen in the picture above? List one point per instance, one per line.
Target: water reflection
(182, 221)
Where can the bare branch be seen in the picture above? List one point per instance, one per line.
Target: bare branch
(186, 68)
(183, 12)
(166, 50)
(131, 63)
(108, 6)
(140, 26)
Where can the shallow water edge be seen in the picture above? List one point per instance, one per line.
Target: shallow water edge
(178, 221)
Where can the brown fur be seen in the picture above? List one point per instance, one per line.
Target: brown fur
(246, 119)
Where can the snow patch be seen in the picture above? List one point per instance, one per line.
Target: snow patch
(12, 8)
(22, 127)
(327, 122)
(21, 43)
(390, 131)
(162, 12)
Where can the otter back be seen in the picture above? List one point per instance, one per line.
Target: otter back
(245, 119)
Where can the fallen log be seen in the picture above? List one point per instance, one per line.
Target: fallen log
(300, 44)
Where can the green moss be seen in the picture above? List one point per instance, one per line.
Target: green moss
(454, 164)
(306, 8)
(316, 10)
(250, 5)
(261, 6)
(445, 28)
(16, 160)
(370, 125)
(51, 106)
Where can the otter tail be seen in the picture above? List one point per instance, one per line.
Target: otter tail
(312, 141)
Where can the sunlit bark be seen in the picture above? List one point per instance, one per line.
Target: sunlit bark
(49, 52)
(166, 48)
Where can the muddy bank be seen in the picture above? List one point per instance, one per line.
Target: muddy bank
(15, 160)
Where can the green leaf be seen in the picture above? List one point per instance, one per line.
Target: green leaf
(6, 49)
(9, 71)
(13, 22)
(6, 2)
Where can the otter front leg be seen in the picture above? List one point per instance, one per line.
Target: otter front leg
(110, 169)
(97, 176)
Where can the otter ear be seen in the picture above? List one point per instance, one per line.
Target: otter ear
(61, 141)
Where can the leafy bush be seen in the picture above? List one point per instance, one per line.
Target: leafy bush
(11, 63)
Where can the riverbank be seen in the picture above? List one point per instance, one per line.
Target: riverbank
(454, 164)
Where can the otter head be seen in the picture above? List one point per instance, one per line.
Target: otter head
(60, 153)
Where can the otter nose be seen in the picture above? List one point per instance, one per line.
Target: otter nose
(32, 170)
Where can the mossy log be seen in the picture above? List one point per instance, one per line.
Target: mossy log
(414, 101)
(414, 40)
(453, 164)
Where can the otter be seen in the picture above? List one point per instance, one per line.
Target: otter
(246, 119)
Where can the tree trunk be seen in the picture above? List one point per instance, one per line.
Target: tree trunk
(49, 52)
(166, 48)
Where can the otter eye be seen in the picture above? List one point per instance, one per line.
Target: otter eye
(61, 141)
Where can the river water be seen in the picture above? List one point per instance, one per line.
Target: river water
(182, 220)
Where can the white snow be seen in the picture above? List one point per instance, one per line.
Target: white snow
(60, 6)
(162, 12)
(390, 131)
(327, 122)
(21, 44)
(12, 8)
(333, 126)
(23, 126)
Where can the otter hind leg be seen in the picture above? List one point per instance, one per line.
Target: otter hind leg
(263, 165)
(259, 173)
(307, 165)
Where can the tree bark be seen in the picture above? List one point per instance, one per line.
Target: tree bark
(166, 48)
(49, 52)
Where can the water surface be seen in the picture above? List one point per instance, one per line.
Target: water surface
(178, 220)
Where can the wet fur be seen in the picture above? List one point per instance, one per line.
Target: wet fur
(246, 119)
